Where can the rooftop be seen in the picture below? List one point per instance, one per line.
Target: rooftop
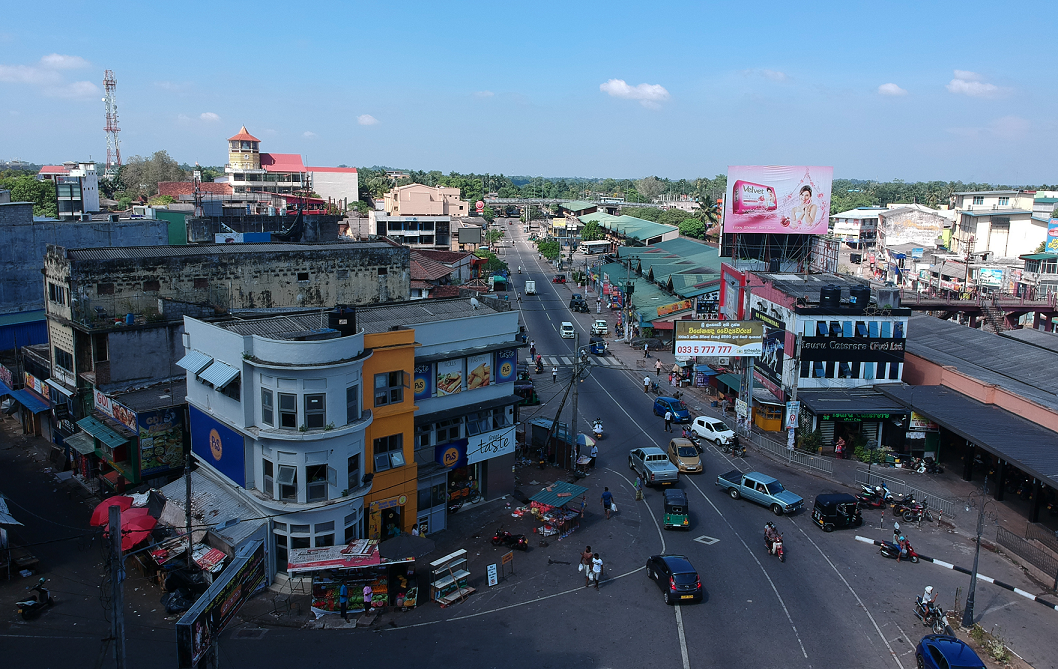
(426, 269)
(287, 327)
(146, 252)
(383, 317)
(158, 396)
(243, 135)
(577, 205)
(861, 212)
(1047, 340)
(988, 192)
(808, 285)
(997, 212)
(282, 162)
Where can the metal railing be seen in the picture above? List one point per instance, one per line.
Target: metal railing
(825, 465)
(1029, 552)
(1043, 535)
(945, 506)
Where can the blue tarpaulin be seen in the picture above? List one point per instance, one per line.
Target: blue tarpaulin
(30, 401)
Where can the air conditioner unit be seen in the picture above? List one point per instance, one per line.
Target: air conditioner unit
(723, 362)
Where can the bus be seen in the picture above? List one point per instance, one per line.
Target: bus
(590, 248)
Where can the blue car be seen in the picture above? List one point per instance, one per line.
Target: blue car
(680, 412)
(940, 651)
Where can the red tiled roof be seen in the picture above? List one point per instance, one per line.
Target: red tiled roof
(178, 188)
(424, 269)
(54, 169)
(445, 256)
(282, 162)
(243, 135)
(445, 291)
(420, 285)
(349, 170)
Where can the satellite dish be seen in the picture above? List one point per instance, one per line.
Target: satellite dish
(474, 302)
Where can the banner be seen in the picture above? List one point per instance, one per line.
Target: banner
(990, 276)
(506, 365)
(1052, 236)
(490, 445)
(793, 410)
(422, 383)
(770, 362)
(449, 377)
(726, 338)
(161, 440)
(792, 200)
(666, 309)
(218, 445)
(479, 371)
(849, 349)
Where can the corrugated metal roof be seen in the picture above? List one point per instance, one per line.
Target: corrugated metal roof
(211, 503)
(194, 361)
(144, 252)
(569, 492)
(82, 442)
(277, 326)
(384, 317)
(101, 432)
(219, 374)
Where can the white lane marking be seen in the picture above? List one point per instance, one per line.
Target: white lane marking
(860, 601)
(708, 541)
(753, 555)
(566, 361)
(683, 639)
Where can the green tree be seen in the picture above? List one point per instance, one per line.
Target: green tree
(493, 264)
(144, 174)
(692, 227)
(29, 189)
(650, 188)
(645, 213)
(488, 213)
(548, 248)
(493, 236)
(591, 232)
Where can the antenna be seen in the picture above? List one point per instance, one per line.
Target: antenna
(110, 85)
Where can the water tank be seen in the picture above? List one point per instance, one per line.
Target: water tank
(830, 296)
(343, 319)
(859, 297)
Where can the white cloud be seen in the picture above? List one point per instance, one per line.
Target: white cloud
(773, 75)
(29, 74)
(891, 89)
(209, 117)
(969, 83)
(75, 90)
(484, 94)
(58, 61)
(46, 75)
(648, 95)
(308, 134)
(183, 119)
(366, 119)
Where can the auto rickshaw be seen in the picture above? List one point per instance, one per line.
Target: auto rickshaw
(677, 514)
(527, 392)
(597, 345)
(835, 511)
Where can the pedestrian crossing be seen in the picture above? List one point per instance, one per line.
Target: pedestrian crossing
(562, 361)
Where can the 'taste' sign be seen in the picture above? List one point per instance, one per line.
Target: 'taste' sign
(490, 444)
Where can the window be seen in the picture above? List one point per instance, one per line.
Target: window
(315, 411)
(448, 430)
(288, 482)
(978, 199)
(422, 435)
(268, 488)
(352, 404)
(233, 389)
(1004, 201)
(389, 453)
(303, 276)
(201, 283)
(354, 471)
(151, 286)
(389, 388)
(317, 477)
(268, 415)
(56, 293)
(288, 411)
(324, 540)
(100, 348)
(479, 422)
(63, 359)
(105, 289)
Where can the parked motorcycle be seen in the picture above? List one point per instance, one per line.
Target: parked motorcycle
(900, 506)
(932, 467)
(736, 448)
(39, 600)
(865, 501)
(505, 538)
(775, 547)
(931, 615)
(596, 428)
(917, 513)
(891, 550)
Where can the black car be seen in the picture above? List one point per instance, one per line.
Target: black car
(676, 577)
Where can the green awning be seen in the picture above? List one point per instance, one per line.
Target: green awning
(101, 432)
(551, 497)
(82, 442)
(732, 381)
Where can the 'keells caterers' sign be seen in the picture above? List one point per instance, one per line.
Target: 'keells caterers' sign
(720, 338)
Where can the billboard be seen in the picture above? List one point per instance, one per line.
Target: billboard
(1052, 236)
(506, 365)
(770, 363)
(727, 338)
(423, 382)
(469, 235)
(161, 440)
(791, 200)
(990, 276)
(218, 445)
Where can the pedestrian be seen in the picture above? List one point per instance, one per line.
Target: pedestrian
(839, 448)
(646, 384)
(668, 421)
(532, 351)
(646, 350)
(343, 600)
(657, 368)
(585, 565)
(596, 569)
(670, 379)
(367, 599)
(554, 374)
(594, 454)
(607, 501)
(638, 485)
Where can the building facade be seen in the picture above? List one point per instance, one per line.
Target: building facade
(857, 227)
(420, 200)
(998, 222)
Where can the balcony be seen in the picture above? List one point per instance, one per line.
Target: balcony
(265, 432)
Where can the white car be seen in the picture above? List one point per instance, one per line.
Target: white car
(599, 327)
(712, 429)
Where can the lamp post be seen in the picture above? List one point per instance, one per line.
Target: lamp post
(968, 614)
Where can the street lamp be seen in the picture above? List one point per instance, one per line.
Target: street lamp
(968, 614)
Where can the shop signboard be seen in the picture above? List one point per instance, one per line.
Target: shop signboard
(449, 377)
(218, 445)
(452, 455)
(479, 371)
(125, 416)
(920, 423)
(161, 440)
(199, 628)
(493, 573)
(102, 403)
(852, 349)
(855, 417)
(793, 410)
(666, 309)
(778, 199)
(720, 338)
(1052, 236)
(770, 362)
(990, 276)
(35, 384)
(741, 408)
(359, 553)
(423, 381)
(490, 445)
(506, 365)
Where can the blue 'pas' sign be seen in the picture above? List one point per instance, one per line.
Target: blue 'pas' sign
(218, 445)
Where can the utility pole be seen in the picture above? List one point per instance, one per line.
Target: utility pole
(968, 614)
(793, 391)
(576, 383)
(746, 392)
(117, 588)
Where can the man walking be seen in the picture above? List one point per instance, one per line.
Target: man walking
(646, 350)
(668, 421)
(343, 600)
(585, 561)
(367, 599)
(607, 502)
(532, 350)
(657, 368)
(596, 569)
(554, 374)
(646, 384)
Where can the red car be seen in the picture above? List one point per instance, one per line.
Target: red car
(559, 278)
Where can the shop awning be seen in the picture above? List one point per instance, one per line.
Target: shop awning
(5, 516)
(194, 362)
(219, 374)
(732, 381)
(30, 401)
(854, 401)
(101, 432)
(59, 387)
(4, 390)
(82, 442)
(706, 369)
(559, 493)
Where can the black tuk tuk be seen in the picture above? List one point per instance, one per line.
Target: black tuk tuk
(677, 514)
(836, 511)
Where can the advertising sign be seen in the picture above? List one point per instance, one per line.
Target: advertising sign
(849, 349)
(770, 362)
(741, 408)
(449, 377)
(125, 416)
(5, 376)
(922, 424)
(490, 445)
(422, 383)
(793, 410)
(506, 365)
(990, 276)
(161, 440)
(479, 371)
(778, 199)
(666, 309)
(206, 619)
(451, 455)
(726, 338)
(218, 445)
(34, 383)
(1052, 236)
(102, 402)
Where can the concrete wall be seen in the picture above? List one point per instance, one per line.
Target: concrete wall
(909, 226)
(26, 242)
(336, 185)
(142, 354)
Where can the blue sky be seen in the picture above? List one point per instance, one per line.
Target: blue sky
(913, 90)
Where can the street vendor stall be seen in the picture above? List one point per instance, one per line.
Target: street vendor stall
(552, 507)
(361, 568)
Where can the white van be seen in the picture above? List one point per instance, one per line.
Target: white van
(566, 329)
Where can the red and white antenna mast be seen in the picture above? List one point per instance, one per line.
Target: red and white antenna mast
(110, 85)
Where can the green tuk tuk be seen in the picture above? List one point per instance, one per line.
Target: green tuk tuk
(677, 514)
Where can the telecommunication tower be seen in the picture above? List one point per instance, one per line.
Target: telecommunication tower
(110, 85)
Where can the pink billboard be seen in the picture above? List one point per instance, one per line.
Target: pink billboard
(793, 200)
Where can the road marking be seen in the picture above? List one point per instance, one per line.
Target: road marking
(683, 639)
(566, 361)
(708, 541)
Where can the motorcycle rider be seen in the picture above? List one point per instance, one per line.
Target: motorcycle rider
(927, 601)
(771, 535)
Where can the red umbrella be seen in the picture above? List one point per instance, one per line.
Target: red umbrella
(101, 514)
(136, 525)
